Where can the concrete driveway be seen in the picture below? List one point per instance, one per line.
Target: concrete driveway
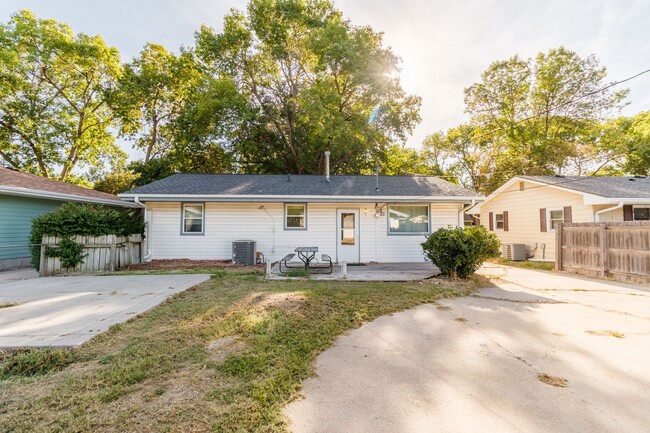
(68, 311)
(472, 364)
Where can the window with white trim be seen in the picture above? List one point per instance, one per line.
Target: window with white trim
(555, 216)
(193, 215)
(295, 216)
(641, 213)
(408, 219)
(499, 221)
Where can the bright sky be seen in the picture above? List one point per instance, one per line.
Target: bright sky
(445, 45)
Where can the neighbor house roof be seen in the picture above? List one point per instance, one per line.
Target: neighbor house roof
(594, 189)
(253, 187)
(604, 186)
(17, 183)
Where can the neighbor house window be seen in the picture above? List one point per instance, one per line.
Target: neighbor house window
(404, 219)
(641, 213)
(295, 216)
(499, 221)
(193, 216)
(555, 216)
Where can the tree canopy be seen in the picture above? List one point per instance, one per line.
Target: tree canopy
(282, 82)
(535, 116)
(54, 114)
(310, 81)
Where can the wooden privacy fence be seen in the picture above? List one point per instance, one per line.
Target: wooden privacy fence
(607, 249)
(101, 253)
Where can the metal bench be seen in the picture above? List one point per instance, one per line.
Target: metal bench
(326, 264)
(284, 260)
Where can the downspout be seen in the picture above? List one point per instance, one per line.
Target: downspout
(461, 213)
(147, 217)
(597, 214)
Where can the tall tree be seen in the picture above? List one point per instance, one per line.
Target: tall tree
(53, 97)
(311, 81)
(535, 116)
(150, 95)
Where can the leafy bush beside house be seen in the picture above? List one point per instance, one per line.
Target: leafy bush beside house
(459, 252)
(73, 219)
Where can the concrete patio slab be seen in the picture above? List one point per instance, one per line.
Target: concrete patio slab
(68, 311)
(415, 271)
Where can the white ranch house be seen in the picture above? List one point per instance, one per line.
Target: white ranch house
(357, 219)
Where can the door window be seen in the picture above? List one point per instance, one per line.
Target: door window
(347, 228)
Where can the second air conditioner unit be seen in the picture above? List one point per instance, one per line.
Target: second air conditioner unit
(514, 252)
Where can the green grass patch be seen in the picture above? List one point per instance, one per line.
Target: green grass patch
(526, 264)
(297, 273)
(172, 369)
(32, 362)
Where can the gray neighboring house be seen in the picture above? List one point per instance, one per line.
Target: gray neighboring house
(356, 219)
(525, 209)
(23, 197)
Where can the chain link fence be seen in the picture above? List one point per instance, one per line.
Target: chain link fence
(19, 262)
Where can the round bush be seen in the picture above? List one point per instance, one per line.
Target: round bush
(459, 252)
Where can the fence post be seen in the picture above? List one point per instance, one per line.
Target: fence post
(603, 250)
(558, 246)
(111, 259)
(129, 251)
(42, 264)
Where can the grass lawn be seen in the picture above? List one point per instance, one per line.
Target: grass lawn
(226, 355)
(526, 264)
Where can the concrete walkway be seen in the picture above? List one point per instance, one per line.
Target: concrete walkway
(472, 364)
(68, 311)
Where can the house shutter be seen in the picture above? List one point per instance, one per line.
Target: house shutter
(568, 215)
(505, 221)
(491, 223)
(627, 213)
(542, 220)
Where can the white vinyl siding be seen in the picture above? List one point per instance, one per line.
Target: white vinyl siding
(227, 222)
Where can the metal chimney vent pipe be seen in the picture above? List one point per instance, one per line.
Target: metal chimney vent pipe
(327, 166)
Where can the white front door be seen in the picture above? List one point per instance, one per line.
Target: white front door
(347, 235)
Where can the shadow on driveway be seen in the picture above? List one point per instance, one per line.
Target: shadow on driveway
(472, 364)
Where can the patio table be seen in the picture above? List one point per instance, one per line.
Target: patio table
(306, 254)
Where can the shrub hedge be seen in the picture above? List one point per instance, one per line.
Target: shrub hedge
(73, 219)
(459, 252)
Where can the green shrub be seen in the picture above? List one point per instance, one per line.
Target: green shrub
(86, 220)
(459, 252)
(70, 252)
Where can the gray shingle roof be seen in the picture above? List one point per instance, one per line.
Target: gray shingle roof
(297, 185)
(605, 186)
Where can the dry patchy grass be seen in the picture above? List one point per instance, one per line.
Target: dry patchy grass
(226, 355)
(526, 264)
(553, 380)
(606, 333)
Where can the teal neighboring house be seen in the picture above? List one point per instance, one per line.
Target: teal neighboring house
(23, 197)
